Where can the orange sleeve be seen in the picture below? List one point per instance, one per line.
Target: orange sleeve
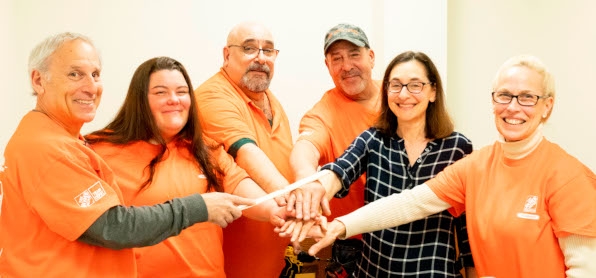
(223, 112)
(313, 129)
(70, 195)
(233, 173)
(449, 185)
(573, 205)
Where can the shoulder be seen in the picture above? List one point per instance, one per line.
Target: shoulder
(461, 140)
(216, 86)
(323, 110)
(213, 81)
(455, 140)
(456, 136)
(372, 134)
(559, 158)
(38, 136)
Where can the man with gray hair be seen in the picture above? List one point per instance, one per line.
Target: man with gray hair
(62, 210)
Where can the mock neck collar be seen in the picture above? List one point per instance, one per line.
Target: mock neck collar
(522, 148)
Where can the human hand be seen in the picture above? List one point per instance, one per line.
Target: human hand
(333, 230)
(308, 200)
(280, 217)
(298, 229)
(222, 208)
(281, 200)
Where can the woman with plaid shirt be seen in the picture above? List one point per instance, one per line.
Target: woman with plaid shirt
(412, 142)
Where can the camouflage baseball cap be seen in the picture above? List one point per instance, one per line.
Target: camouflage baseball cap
(348, 32)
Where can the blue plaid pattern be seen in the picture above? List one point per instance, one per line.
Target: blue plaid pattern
(424, 248)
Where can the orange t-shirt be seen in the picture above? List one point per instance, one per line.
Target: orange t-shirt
(517, 209)
(55, 187)
(196, 251)
(331, 126)
(251, 248)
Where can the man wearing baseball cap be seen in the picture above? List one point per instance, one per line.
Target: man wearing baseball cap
(332, 124)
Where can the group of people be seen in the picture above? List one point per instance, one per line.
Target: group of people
(168, 187)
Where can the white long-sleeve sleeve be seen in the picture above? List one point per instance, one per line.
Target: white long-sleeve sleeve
(393, 210)
(580, 255)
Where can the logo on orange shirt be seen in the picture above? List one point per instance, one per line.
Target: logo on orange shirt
(90, 195)
(530, 207)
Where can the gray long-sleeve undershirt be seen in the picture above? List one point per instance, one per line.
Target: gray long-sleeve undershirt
(126, 227)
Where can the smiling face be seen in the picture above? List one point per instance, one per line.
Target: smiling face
(408, 107)
(350, 67)
(513, 121)
(251, 72)
(70, 90)
(169, 101)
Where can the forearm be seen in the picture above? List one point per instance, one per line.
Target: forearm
(260, 168)
(249, 189)
(332, 184)
(304, 159)
(580, 253)
(393, 210)
(126, 227)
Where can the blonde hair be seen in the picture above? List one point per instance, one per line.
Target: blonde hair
(535, 64)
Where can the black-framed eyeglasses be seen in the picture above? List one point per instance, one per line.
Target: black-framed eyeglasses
(252, 51)
(524, 99)
(415, 87)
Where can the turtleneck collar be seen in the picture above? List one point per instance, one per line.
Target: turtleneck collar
(522, 148)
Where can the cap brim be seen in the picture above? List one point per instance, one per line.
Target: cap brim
(352, 40)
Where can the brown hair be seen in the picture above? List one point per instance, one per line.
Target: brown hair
(135, 122)
(438, 121)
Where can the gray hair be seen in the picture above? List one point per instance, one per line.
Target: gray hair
(39, 57)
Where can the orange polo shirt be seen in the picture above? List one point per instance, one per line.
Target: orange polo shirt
(55, 187)
(196, 251)
(517, 209)
(251, 248)
(331, 126)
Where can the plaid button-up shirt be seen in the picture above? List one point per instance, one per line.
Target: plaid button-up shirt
(423, 248)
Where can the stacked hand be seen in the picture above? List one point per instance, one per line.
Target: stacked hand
(316, 228)
(308, 201)
(304, 220)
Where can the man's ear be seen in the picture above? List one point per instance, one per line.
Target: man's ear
(226, 56)
(371, 54)
(37, 82)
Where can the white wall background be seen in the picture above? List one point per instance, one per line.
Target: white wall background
(483, 34)
(467, 39)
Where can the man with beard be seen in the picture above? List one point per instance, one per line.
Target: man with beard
(239, 111)
(331, 125)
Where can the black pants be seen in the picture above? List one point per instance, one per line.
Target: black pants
(344, 256)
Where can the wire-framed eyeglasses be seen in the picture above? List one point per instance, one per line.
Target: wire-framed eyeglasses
(524, 99)
(415, 87)
(252, 51)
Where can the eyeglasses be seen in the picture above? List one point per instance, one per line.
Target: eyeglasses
(413, 87)
(252, 51)
(522, 99)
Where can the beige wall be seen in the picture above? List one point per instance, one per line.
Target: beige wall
(467, 39)
(483, 34)
(194, 32)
